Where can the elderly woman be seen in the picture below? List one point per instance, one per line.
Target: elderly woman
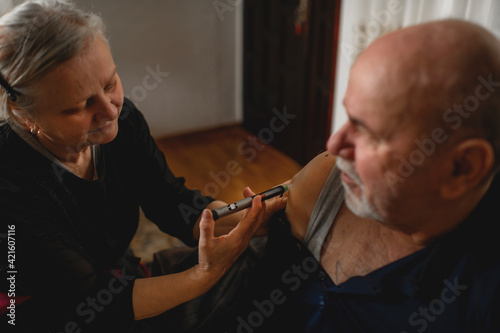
(77, 162)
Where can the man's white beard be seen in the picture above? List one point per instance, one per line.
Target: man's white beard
(358, 205)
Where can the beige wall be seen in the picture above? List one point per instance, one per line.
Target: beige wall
(179, 60)
(191, 40)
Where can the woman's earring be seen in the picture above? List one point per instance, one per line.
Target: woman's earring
(33, 131)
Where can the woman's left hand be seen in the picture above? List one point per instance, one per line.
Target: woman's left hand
(273, 205)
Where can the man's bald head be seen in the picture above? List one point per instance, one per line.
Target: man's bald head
(442, 73)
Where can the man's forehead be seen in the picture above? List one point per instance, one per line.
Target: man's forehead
(383, 111)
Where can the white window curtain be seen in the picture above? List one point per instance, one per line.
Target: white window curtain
(362, 21)
(5, 5)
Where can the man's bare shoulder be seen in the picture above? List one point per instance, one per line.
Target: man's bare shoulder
(306, 187)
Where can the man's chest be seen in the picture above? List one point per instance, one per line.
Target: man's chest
(356, 247)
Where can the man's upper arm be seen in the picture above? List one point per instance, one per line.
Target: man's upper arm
(306, 187)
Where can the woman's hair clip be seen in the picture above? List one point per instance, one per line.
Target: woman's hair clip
(11, 92)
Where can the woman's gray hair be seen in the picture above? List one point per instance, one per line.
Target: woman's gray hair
(35, 37)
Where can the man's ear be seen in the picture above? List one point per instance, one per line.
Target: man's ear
(472, 161)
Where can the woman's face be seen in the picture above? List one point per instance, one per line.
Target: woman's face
(78, 102)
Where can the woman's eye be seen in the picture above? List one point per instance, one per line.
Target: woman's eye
(74, 110)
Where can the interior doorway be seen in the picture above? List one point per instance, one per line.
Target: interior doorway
(289, 66)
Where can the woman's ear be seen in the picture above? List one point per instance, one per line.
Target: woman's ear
(472, 162)
(27, 122)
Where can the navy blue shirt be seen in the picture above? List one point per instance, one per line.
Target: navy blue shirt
(452, 285)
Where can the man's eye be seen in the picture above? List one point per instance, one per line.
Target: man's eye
(110, 86)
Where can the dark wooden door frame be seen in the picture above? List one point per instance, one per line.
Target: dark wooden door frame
(290, 71)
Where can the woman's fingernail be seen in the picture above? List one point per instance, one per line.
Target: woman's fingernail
(206, 214)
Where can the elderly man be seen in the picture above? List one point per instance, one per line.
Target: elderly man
(392, 229)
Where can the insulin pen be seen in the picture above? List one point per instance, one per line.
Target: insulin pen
(247, 202)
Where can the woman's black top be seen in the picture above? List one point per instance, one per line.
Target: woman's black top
(70, 234)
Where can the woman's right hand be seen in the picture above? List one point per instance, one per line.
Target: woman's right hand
(217, 254)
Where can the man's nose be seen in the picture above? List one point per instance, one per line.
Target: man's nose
(340, 143)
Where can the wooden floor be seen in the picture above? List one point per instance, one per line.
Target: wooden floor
(220, 163)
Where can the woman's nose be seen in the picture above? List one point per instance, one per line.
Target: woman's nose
(106, 110)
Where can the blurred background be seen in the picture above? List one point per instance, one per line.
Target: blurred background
(192, 65)
(246, 92)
